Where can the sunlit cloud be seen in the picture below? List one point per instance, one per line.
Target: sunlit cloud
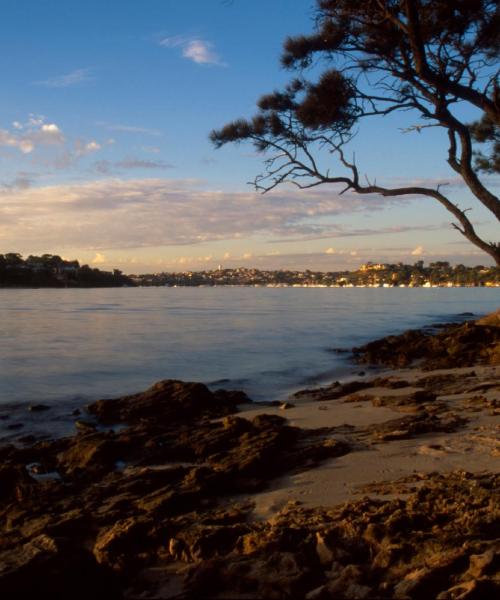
(25, 137)
(84, 148)
(117, 213)
(197, 50)
(98, 259)
(419, 250)
(76, 77)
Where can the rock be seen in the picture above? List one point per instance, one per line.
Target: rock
(38, 407)
(459, 345)
(85, 426)
(416, 397)
(324, 553)
(119, 546)
(333, 391)
(48, 568)
(169, 401)
(14, 483)
(93, 453)
(418, 424)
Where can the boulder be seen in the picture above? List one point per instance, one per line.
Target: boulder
(168, 402)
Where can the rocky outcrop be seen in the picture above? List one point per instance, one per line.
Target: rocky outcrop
(439, 542)
(461, 345)
(114, 502)
(168, 401)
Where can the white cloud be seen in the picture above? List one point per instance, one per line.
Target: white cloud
(82, 148)
(92, 146)
(76, 77)
(330, 251)
(50, 128)
(419, 250)
(201, 53)
(35, 132)
(195, 49)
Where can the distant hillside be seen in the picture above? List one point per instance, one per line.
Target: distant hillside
(50, 270)
(440, 274)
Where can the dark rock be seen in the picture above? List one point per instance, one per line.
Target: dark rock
(416, 397)
(410, 426)
(13, 480)
(168, 401)
(120, 546)
(460, 345)
(46, 567)
(38, 407)
(92, 453)
(85, 426)
(334, 391)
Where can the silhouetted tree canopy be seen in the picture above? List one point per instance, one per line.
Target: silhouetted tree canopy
(426, 57)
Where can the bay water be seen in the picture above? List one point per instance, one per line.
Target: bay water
(66, 347)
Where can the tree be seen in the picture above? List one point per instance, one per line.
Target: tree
(427, 57)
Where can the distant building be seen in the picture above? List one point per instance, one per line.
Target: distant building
(369, 266)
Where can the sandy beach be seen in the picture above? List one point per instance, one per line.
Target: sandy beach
(475, 447)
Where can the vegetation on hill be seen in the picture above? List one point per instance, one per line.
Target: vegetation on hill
(50, 270)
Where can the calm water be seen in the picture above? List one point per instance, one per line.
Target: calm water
(66, 347)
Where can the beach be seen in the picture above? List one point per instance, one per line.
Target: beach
(384, 485)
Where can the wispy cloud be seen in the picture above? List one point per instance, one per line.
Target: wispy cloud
(130, 128)
(195, 49)
(76, 77)
(106, 166)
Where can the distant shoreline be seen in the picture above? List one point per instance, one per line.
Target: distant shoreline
(243, 285)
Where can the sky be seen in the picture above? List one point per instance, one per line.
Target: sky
(105, 112)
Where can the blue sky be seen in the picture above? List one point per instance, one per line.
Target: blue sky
(105, 113)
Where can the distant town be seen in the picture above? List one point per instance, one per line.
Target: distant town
(51, 270)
